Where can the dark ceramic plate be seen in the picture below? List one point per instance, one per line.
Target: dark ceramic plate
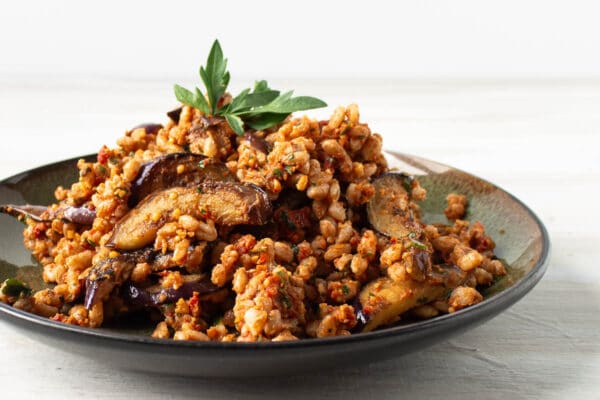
(522, 241)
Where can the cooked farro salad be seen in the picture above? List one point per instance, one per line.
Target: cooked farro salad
(235, 221)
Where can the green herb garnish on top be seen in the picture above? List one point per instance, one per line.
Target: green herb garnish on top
(259, 108)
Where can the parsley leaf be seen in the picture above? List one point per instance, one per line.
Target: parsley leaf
(215, 76)
(259, 108)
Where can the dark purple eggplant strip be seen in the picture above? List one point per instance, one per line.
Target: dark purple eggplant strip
(156, 295)
(77, 215)
(115, 272)
(175, 114)
(257, 143)
(26, 211)
(111, 272)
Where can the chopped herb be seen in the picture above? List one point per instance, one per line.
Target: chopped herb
(201, 164)
(186, 147)
(295, 249)
(285, 299)
(423, 300)
(496, 279)
(290, 156)
(289, 169)
(259, 108)
(418, 245)
(345, 289)
(277, 172)
(91, 242)
(14, 287)
(102, 169)
(200, 190)
(281, 276)
(447, 293)
(113, 160)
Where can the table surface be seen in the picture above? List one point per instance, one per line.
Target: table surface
(537, 139)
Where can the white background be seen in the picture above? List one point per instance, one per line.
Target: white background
(360, 39)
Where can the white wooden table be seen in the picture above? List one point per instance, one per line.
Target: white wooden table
(538, 140)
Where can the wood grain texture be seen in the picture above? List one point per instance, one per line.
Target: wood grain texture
(538, 140)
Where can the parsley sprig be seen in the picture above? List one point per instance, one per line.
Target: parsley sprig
(259, 108)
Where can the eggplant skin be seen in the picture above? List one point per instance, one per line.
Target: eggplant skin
(156, 295)
(111, 272)
(115, 272)
(383, 300)
(26, 211)
(176, 169)
(77, 215)
(257, 143)
(175, 114)
(389, 209)
(226, 203)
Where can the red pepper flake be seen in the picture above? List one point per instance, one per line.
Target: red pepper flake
(58, 317)
(262, 258)
(39, 230)
(103, 155)
(205, 214)
(86, 245)
(194, 304)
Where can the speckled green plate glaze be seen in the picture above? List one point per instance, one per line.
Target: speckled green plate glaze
(521, 240)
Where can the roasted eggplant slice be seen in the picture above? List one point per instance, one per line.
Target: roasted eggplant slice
(111, 272)
(77, 215)
(383, 300)
(257, 143)
(226, 203)
(114, 272)
(25, 211)
(177, 169)
(175, 114)
(389, 209)
(156, 295)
